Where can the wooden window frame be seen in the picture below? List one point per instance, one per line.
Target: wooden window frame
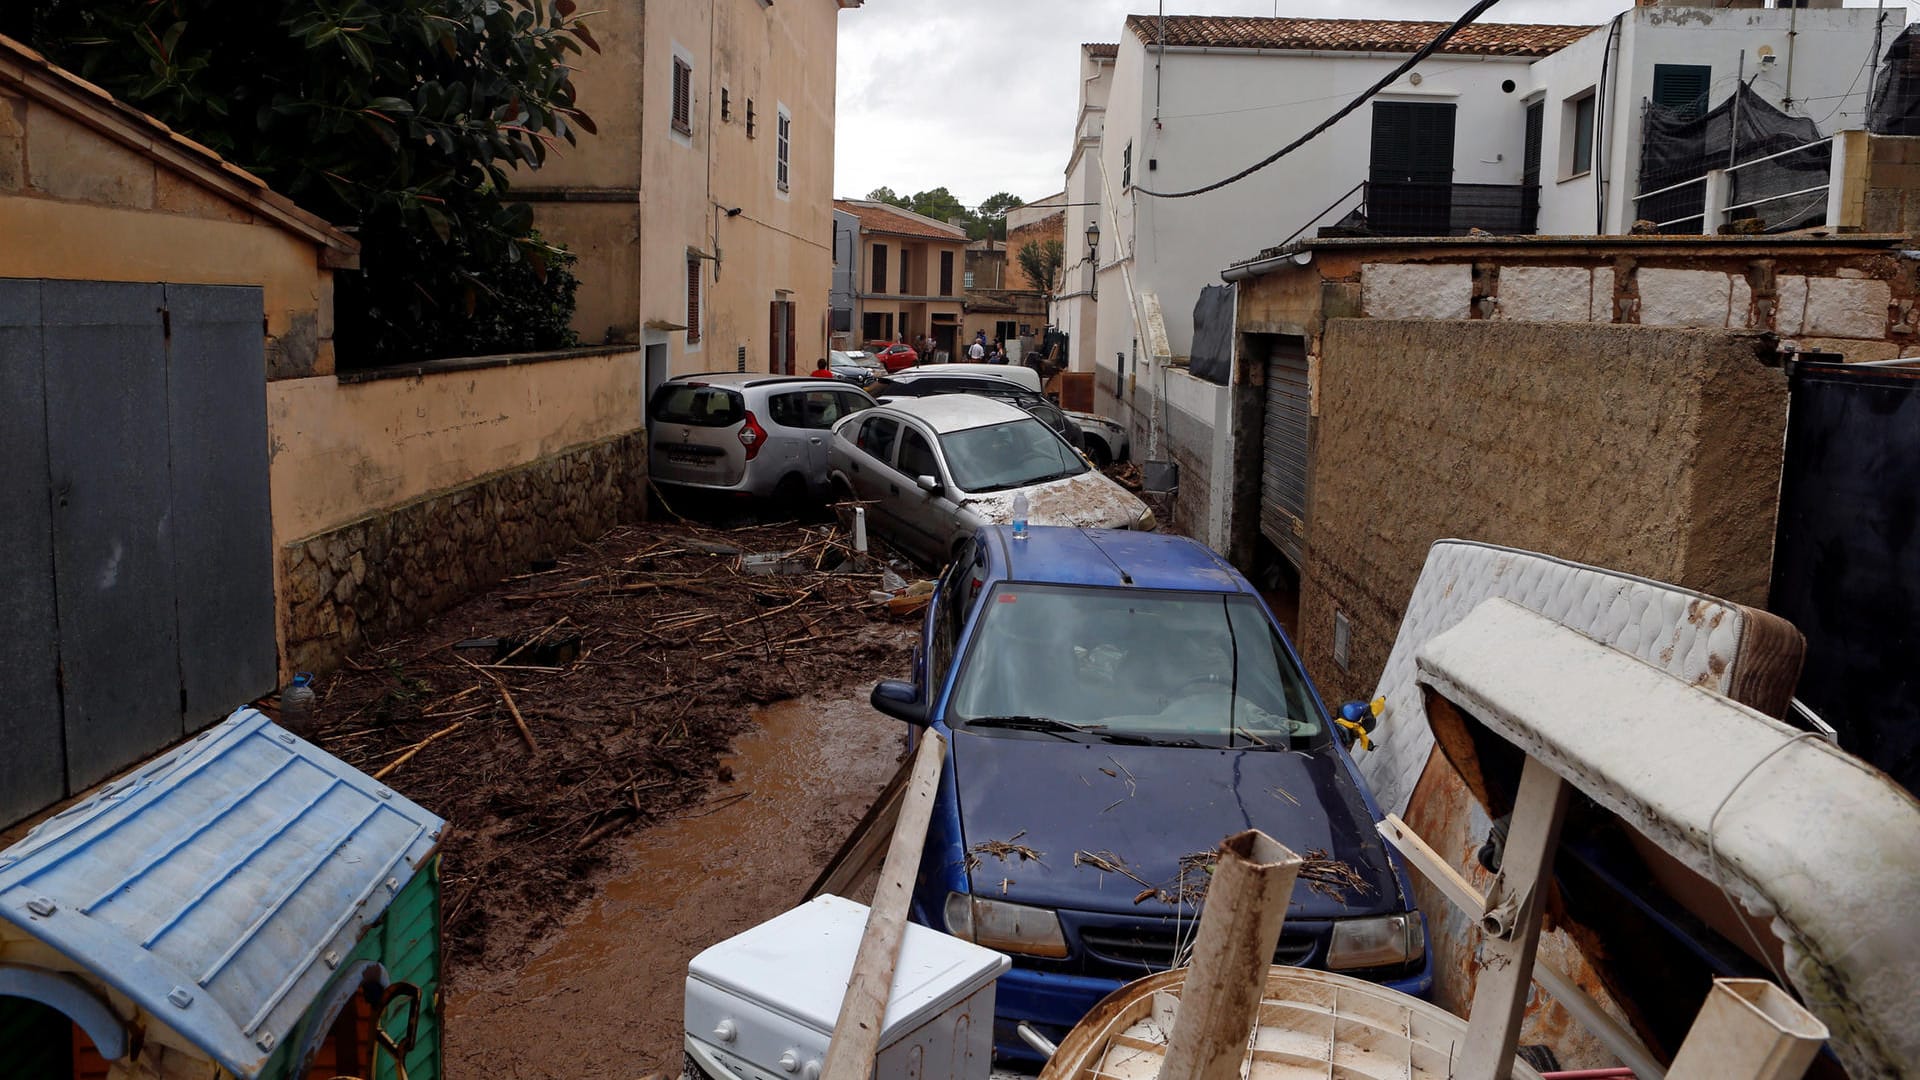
(682, 111)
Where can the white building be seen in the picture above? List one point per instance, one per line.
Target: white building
(1500, 130)
(1813, 62)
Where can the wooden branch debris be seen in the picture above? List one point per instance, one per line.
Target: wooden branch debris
(390, 766)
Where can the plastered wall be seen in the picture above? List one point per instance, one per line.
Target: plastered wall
(1652, 451)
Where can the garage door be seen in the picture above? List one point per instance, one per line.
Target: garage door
(1283, 472)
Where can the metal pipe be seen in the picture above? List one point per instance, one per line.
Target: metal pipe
(1040, 1043)
(1733, 130)
(1773, 198)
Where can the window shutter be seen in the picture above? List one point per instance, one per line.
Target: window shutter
(682, 97)
(1682, 88)
(1536, 122)
(784, 147)
(946, 273)
(693, 301)
(880, 268)
(906, 262)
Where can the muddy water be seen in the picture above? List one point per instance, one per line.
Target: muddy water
(602, 997)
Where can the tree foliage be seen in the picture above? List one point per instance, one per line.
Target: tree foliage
(1041, 260)
(990, 219)
(401, 120)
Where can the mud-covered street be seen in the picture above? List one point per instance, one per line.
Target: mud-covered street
(641, 750)
(601, 996)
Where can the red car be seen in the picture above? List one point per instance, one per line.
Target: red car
(897, 355)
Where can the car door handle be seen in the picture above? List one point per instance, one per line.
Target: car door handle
(815, 440)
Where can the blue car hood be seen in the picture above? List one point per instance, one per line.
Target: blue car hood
(1149, 805)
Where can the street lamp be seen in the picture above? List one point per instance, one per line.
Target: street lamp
(1093, 258)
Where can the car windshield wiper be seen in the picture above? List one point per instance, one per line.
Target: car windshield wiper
(1044, 724)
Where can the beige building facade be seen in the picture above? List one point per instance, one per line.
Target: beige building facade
(702, 208)
(911, 279)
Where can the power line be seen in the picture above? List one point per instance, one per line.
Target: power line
(1425, 51)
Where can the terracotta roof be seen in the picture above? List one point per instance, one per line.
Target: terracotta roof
(1103, 49)
(1355, 35)
(881, 218)
(24, 71)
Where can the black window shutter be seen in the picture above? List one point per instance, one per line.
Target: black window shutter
(1682, 87)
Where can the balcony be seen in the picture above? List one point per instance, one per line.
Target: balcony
(1415, 208)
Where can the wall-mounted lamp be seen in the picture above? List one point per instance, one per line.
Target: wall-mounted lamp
(735, 212)
(1093, 258)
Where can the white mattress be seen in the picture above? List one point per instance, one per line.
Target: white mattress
(1687, 634)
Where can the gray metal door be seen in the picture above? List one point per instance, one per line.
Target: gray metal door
(32, 764)
(1283, 470)
(136, 532)
(112, 536)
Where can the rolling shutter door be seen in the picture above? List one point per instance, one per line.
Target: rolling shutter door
(1283, 471)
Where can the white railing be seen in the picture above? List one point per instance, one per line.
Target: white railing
(1719, 188)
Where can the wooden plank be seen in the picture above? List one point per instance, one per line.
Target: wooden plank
(866, 845)
(856, 1036)
(1512, 924)
(1614, 1035)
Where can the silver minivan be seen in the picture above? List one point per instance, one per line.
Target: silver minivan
(746, 433)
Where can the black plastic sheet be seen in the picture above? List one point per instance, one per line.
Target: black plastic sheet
(1212, 355)
(1679, 143)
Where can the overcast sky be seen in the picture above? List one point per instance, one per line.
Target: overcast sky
(914, 116)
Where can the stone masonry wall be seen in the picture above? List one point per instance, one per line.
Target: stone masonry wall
(392, 570)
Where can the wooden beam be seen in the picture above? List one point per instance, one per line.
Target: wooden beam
(1619, 1039)
(1512, 925)
(856, 1035)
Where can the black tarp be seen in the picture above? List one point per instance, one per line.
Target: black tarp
(1212, 355)
(1679, 144)
(1896, 90)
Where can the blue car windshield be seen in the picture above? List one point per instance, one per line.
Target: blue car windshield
(1195, 669)
(1010, 455)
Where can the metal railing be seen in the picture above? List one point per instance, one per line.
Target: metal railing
(1706, 189)
(1417, 208)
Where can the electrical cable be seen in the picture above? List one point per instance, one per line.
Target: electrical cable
(1713, 855)
(1387, 80)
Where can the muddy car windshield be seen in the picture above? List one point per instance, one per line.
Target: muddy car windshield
(1011, 455)
(1125, 665)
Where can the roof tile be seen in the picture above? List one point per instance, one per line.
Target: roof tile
(1356, 35)
(879, 217)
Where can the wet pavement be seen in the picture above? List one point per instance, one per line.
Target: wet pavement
(602, 997)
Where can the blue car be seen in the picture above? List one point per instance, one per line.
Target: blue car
(1117, 703)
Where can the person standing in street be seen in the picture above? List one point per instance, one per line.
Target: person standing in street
(977, 352)
(822, 370)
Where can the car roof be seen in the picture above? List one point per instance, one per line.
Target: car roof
(956, 412)
(980, 378)
(737, 379)
(1113, 558)
(1024, 377)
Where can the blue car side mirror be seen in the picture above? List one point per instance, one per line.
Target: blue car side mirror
(901, 700)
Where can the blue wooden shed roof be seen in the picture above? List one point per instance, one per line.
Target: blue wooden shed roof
(219, 885)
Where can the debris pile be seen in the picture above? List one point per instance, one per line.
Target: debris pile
(592, 697)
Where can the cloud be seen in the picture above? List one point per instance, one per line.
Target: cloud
(979, 96)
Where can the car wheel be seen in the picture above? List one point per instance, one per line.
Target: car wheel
(1098, 453)
(790, 496)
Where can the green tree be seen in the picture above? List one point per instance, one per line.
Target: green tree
(993, 214)
(399, 119)
(886, 195)
(1041, 261)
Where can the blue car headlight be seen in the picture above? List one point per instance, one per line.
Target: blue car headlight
(1013, 928)
(1388, 941)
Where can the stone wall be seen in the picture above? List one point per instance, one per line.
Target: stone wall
(391, 570)
(1647, 450)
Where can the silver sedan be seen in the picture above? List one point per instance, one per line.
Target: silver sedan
(936, 469)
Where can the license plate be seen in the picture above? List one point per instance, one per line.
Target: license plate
(687, 457)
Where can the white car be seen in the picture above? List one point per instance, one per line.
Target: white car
(936, 469)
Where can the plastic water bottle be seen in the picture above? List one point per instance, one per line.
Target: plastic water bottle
(296, 705)
(1020, 506)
